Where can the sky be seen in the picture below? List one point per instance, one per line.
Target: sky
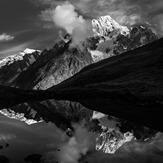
(21, 136)
(29, 23)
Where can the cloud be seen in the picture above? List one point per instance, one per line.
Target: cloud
(72, 149)
(41, 39)
(6, 37)
(6, 137)
(118, 9)
(152, 11)
(125, 12)
(65, 16)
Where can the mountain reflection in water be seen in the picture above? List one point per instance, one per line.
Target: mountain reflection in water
(19, 140)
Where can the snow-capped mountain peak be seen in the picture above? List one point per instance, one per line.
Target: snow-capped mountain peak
(26, 51)
(107, 27)
(12, 66)
(10, 59)
(29, 51)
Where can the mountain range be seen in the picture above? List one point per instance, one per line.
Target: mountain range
(121, 78)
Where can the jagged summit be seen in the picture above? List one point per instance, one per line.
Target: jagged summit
(110, 38)
(28, 51)
(108, 27)
(10, 59)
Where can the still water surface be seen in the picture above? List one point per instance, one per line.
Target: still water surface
(20, 140)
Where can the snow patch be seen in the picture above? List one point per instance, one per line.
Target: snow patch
(97, 55)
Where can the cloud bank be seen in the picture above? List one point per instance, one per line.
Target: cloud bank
(125, 12)
(5, 37)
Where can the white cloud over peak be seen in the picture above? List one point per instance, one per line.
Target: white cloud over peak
(125, 12)
(6, 37)
(66, 17)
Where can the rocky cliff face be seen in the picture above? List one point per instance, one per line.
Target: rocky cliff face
(139, 36)
(114, 39)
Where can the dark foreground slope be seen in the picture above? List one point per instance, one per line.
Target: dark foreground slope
(128, 86)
